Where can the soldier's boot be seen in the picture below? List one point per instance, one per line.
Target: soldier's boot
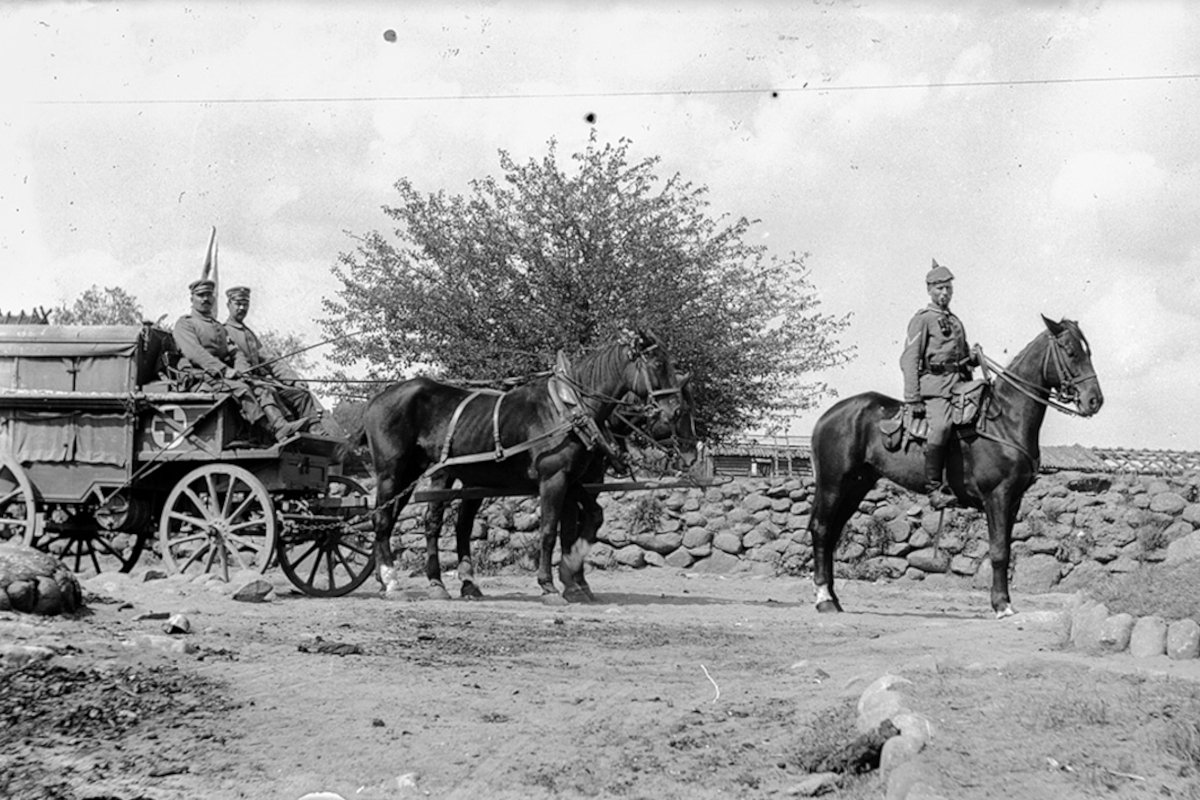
(281, 427)
(940, 495)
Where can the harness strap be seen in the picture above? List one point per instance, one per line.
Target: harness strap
(496, 428)
(457, 415)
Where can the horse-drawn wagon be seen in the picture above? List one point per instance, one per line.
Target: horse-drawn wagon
(98, 451)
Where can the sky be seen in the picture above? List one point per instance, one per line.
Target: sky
(1048, 153)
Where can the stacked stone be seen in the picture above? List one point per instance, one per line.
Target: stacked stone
(1093, 629)
(1072, 529)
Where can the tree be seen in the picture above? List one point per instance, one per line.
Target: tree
(289, 348)
(96, 306)
(493, 284)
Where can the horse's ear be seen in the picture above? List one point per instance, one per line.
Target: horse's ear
(644, 341)
(1055, 328)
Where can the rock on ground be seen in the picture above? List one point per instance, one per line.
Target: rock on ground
(33, 582)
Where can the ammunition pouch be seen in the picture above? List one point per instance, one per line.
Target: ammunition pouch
(966, 399)
(902, 429)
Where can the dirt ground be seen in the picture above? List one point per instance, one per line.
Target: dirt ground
(672, 686)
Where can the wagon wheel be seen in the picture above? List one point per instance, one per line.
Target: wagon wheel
(217, 516)
(86, 548)
(18, 504)
(327, 555)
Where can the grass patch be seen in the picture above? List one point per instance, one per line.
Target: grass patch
(1166, 590)
(1182, 741)
(825, 733)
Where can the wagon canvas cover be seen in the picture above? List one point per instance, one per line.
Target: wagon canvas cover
(99, 358)
(64, 367)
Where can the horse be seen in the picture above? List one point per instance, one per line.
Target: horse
(989, 466)
(538, 437)
(582, 514)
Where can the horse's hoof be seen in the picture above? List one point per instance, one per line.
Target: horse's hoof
(554, 599)
(471, 592)
(829, 606)
(1005, 610)
(437, 592)
(578, 596)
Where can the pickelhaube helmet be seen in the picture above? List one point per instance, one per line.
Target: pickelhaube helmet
(938, 274)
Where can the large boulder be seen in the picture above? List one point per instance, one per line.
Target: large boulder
(34, 582)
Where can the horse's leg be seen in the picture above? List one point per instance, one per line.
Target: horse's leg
(833, 505)
(433, 531)
(467, 510)
(551, 494)
(581, 519)
(1001, 508)
(383, 519)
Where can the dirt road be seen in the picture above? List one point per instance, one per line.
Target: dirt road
(672, 686)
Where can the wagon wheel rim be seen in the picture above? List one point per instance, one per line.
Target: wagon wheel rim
(88, 550)
(218, 518)
(18, 503)
(327, 562)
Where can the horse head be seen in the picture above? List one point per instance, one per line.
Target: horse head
(1074, 377)
(676, 437)
(158, 352)
(654, 378)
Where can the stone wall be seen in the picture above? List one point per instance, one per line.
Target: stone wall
(1071, 529)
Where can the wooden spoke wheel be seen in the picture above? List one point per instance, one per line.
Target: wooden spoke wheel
(218, 518)
(326, 545)
(18, 504)
(74, 538)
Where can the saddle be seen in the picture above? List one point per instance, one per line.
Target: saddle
(966, 402)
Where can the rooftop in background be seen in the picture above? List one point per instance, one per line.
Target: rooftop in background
(796, 451)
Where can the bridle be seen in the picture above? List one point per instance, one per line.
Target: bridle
(1068, 383)
(656, 397)
(641, 385)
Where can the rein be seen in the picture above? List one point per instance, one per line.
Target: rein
(1069, 385)
(1041, 394)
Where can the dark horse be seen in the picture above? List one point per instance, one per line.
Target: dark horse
(539, 437)
(582, 515)
(989, 466)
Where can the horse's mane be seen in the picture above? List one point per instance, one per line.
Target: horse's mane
(1043, 340)
(591, 368)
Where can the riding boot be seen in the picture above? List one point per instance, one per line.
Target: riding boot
(940, 495)
(283, 428)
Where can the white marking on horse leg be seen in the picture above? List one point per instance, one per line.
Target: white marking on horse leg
(1006, 611)
(466, 571)
(391, 579)
(823, 594)
(575, 556)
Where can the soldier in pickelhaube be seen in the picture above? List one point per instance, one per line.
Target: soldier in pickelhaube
(208, 355)
(936, 358)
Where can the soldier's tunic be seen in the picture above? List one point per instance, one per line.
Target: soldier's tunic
(935, 344)
(250, 359)
(207, 352)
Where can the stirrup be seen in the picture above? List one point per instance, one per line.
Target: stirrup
(942, 497)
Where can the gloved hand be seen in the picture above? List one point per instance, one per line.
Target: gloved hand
(976, 355)
(917, 409)
(230, 373)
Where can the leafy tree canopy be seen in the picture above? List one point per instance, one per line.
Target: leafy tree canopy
(96, 306)
(288, 348)
(547, 257)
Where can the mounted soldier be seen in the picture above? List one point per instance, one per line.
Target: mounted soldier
(936, 359)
